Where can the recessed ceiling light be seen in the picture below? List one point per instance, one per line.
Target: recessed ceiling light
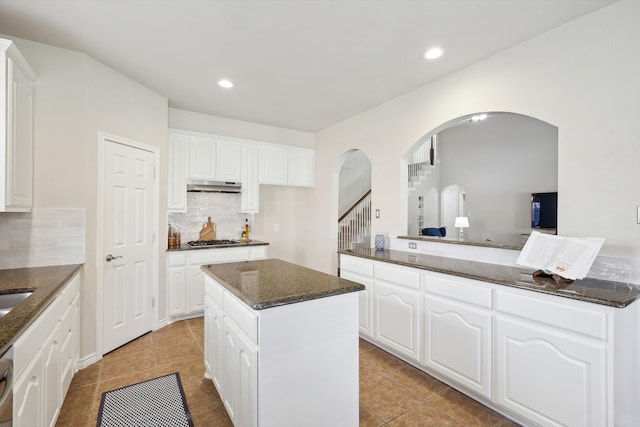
(433, 53)
(225, 84)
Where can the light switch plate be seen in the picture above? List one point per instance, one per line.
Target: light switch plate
(638, 216)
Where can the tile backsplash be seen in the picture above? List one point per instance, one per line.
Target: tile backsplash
(42, 237)
(223, 208)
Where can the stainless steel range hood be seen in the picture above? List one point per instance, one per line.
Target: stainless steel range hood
(202, 186)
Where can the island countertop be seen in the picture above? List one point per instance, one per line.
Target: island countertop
(267, 283)
(605, 292)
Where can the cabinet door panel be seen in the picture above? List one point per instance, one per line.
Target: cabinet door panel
(213, 341)
(178, 150)
(28, 403)
(549, 377)
(196, 289)
(458, 343)
(397, 313)
(301, 168)
(273, 166)
(202, 158)
(177, 290)
(19, 150)
(227, 161)
(365, 307)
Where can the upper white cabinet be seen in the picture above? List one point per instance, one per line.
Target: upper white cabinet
(214, 159)
(250, 198)
(194, 155)
(177, 170)
(16, 130)
(281, 165)
(301, 167)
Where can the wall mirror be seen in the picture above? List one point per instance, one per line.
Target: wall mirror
(483, 167)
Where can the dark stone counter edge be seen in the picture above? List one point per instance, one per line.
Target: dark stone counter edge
(354, 287)
(185, 247)
(513, 284)
(462, 242)
(23, 315)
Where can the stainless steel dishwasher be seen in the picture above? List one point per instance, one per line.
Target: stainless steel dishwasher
(6, 388)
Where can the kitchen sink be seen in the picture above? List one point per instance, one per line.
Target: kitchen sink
(9, 301)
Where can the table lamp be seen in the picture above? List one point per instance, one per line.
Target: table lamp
(461, 222)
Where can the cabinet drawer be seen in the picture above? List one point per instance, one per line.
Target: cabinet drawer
(356, 265)
(213, 256)
(242, 316)
(564, 313)
(177, 259)
(458, 288)
(214, 290)
(401, 276)
(257, 252)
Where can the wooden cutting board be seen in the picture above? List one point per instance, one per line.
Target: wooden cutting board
(208, 231)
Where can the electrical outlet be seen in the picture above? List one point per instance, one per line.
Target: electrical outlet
(276, 227)
(413, 245)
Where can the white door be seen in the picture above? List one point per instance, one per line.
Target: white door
(129, 198)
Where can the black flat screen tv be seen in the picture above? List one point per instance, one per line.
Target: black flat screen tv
(544, 210)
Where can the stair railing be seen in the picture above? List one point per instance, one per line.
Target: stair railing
(355, 223)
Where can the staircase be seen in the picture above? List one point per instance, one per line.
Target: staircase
(354, 227)
(422, 161)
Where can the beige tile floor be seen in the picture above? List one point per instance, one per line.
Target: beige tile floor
(392, 393)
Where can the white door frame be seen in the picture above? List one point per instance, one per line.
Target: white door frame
(103, 138)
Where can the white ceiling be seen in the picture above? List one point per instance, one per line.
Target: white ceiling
(297, 64)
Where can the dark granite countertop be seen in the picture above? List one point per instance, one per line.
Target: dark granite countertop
(185, 247)
(614, 294)
(270, 283)
(45, 282)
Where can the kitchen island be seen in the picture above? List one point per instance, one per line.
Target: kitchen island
(281, 344)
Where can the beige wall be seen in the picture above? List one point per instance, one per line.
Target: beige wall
(187, 120)
(76, 97)
(582, 78)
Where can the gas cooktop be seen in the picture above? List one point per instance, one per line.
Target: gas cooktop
(223, 242)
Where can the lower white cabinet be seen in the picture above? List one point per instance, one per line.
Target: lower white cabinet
(549, 371)
(286, 366)
(240, 375)
(397, 318)
(361, 271)
(457, 332)
(185, 279)
(541, 359)
(46, 355)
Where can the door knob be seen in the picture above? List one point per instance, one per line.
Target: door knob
(110, 257)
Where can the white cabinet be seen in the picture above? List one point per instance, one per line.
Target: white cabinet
(301, 167)
(553, 364)
(178, 148)
(28, 393)
(16, 130)
(397, 308)
(214, 159)
(457, 333)
(240, 375)
(281, 165)
(228, 160)
(202, 157)
(361, 271)
(544, 359)
(185, 278)
(46, 354)
(250, 197)
(263, 379)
